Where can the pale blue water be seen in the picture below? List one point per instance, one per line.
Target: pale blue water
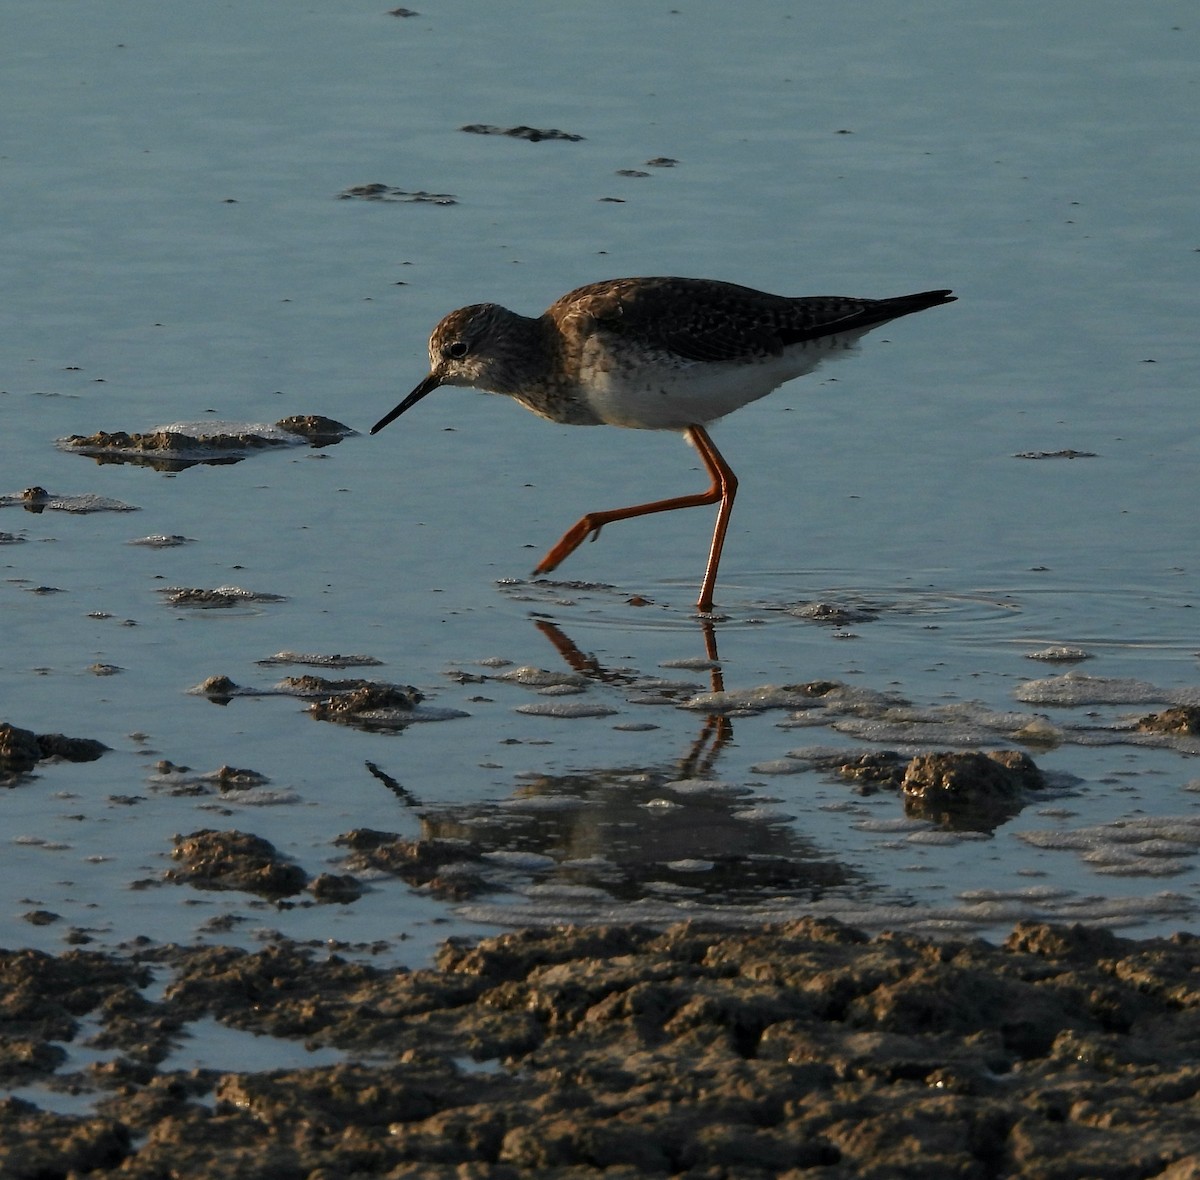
(174, 248)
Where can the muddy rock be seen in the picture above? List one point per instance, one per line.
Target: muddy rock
(969, 789)
(874, 769)
(22, 749)
(220, 689)
(1181, 719)
(234, 860)
(335, 888)
(971, 775)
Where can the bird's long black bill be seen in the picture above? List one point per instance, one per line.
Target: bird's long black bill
(427, 386)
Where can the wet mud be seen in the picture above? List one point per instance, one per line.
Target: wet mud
(804, 1047)
(183, 444)
(798, 1049)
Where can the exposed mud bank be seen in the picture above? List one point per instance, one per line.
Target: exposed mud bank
(805, 1048)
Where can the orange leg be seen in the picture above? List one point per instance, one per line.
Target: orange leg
(722, 490)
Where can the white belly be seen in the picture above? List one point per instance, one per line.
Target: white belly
(669, 393)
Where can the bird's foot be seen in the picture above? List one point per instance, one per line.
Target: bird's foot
(571, 540)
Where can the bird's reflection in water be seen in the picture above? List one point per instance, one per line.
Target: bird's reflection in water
(633, 832)
(717, 728)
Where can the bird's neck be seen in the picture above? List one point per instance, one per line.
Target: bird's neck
(532, 348)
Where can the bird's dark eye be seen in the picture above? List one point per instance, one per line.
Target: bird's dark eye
(456, 350)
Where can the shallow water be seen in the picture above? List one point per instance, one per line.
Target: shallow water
(175, 250)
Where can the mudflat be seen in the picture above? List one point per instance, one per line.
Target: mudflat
(806, 1048)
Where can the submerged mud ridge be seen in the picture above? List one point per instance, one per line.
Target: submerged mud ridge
(370, 705)
(37, 500)
(798, 1049)
(384, 192)
(533, 134)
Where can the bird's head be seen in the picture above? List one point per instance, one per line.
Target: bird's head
(472, 346)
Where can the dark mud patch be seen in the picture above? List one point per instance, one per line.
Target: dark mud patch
(188, 444)
(623, 1051)
(532, 134)
(384, 192)
(1065, 454)
(22, 749)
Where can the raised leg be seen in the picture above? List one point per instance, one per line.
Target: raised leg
(722, 491)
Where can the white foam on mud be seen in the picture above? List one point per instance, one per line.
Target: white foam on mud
(532, 677)
(566, 710)
(1074, 688)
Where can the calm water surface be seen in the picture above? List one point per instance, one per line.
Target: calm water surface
(175, 250)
